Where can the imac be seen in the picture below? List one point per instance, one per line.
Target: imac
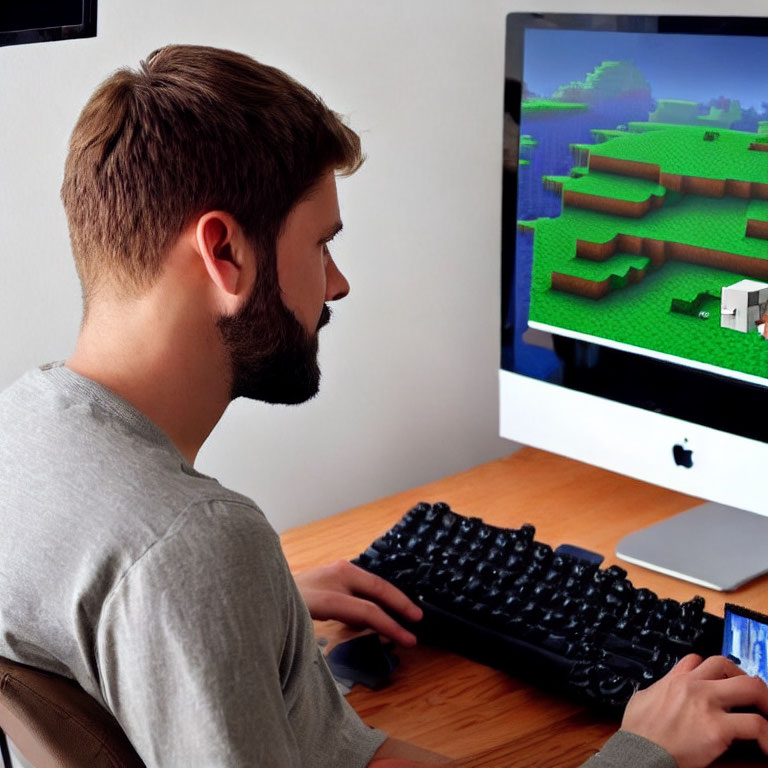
(634, 311)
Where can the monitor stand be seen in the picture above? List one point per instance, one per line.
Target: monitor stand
(712, 545)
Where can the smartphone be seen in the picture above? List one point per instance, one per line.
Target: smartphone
(745, 640)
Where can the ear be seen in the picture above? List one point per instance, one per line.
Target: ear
(226, 254)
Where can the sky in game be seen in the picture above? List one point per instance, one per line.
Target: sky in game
(691, 67)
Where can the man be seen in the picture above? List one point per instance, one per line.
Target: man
(201, 198)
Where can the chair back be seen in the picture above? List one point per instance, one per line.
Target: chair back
(54, 723)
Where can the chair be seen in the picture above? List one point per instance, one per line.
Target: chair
(54, 723)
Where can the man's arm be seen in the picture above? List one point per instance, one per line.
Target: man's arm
(207, 635)
(690, 714)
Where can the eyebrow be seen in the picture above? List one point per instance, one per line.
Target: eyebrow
(331, 232)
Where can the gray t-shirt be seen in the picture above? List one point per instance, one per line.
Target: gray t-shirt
(165, 595)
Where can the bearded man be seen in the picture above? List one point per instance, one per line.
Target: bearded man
(201, 199)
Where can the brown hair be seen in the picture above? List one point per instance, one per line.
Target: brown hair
(193, 129)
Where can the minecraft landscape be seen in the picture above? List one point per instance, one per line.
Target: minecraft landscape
(643, 193)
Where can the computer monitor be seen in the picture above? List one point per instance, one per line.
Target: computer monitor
(635, 268)
(36, 21)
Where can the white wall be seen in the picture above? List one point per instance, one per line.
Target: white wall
(410, 359)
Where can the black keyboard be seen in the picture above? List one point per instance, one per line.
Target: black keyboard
(554, 618)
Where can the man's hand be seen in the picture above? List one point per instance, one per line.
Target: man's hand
(688, 711)
(344, 592)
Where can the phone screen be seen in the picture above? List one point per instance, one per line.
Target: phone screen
(745, 640)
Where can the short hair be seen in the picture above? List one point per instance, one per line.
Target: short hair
(193, 129)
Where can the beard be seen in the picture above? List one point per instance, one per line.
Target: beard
(273, 357)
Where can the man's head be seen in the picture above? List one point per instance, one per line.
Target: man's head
(272, 339)
(194, 130)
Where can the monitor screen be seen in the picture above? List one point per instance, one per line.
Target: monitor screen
(634, 308)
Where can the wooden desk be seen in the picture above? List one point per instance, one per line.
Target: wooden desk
(461, 709)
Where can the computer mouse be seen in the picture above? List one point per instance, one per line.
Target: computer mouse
(364, 659)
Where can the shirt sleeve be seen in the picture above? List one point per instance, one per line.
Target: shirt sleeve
(628, 750)
(207, 656)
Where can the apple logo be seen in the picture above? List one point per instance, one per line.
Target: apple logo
(683, 456)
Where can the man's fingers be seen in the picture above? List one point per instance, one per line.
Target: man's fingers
(686, 664)
(359, 612)
(716, 668)
(369, 585)
(749, 727)
(742, 691)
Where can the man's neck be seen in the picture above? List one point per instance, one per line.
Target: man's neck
(163, 366)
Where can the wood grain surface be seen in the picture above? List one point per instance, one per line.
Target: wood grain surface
(465, 710)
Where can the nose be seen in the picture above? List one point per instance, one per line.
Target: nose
(336, 285)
